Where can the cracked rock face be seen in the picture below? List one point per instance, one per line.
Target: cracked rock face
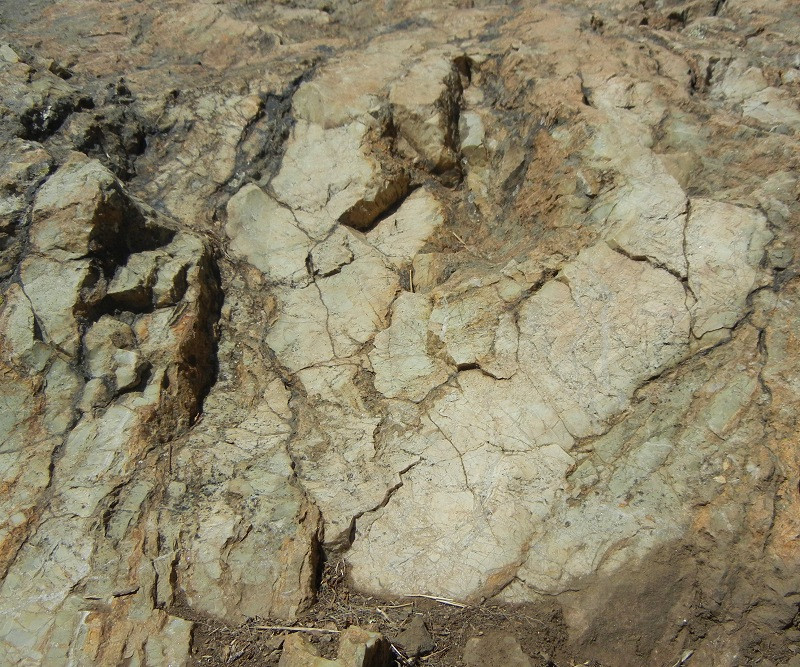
(494, 302)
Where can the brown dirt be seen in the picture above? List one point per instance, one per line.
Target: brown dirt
(539, 628)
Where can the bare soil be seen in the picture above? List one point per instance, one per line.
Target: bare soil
(539, 628)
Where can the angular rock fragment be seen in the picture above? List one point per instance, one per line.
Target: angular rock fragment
(78, 211)
(425, 103)
(416, 639)
(357, 648)
(111, 354)
(328, 176)
(131, 288)
(402, 235)
(56, 292)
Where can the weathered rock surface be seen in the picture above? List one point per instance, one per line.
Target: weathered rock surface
(106, 381)
(491, 302)
(357, 648)
(415, 640)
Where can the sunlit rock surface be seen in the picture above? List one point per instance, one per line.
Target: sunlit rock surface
(494, 301)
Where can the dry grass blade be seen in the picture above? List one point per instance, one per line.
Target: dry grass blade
(684, 658)
(433, 655)
(451, 603)
(294, 628)
(401, 657)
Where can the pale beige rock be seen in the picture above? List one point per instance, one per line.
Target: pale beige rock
(338, 313)
(300, 652)
(473, 135)
(724, 247)
(748, 87)
(24, 462)
(641, 468)
(54, 289)
(590, 337)
(480, 446)
(180, 263)
(218, 565)
(102, 443)
(645, 216)
(345, 91)
(363, 648)
(189, 175)
(17, 327)
(357, 299)
(332, 254)
(552, 380)
(25, 165)
(357, 648)
(401, 362)
(587, 340)
(339, 442)
(266, 234)
(328, 176)
(132, 285)
(740, 81)
(170, 646)
(402, 235)
(467, 312)
(77, 209)
(303, 310)
(8, 54)
(502, 362)
(773, 107)
(424, 102)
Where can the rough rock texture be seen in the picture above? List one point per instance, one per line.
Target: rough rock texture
(491, 301)
(357, 648)
(494, 650)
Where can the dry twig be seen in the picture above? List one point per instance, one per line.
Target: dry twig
(450, 603)
(295, 628)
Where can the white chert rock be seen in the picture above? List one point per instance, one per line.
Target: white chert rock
(401, 362)
(402, 235)
(266, 234)
(328, 176)
(725, 246)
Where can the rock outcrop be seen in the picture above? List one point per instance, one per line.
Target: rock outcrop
(493, 302)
